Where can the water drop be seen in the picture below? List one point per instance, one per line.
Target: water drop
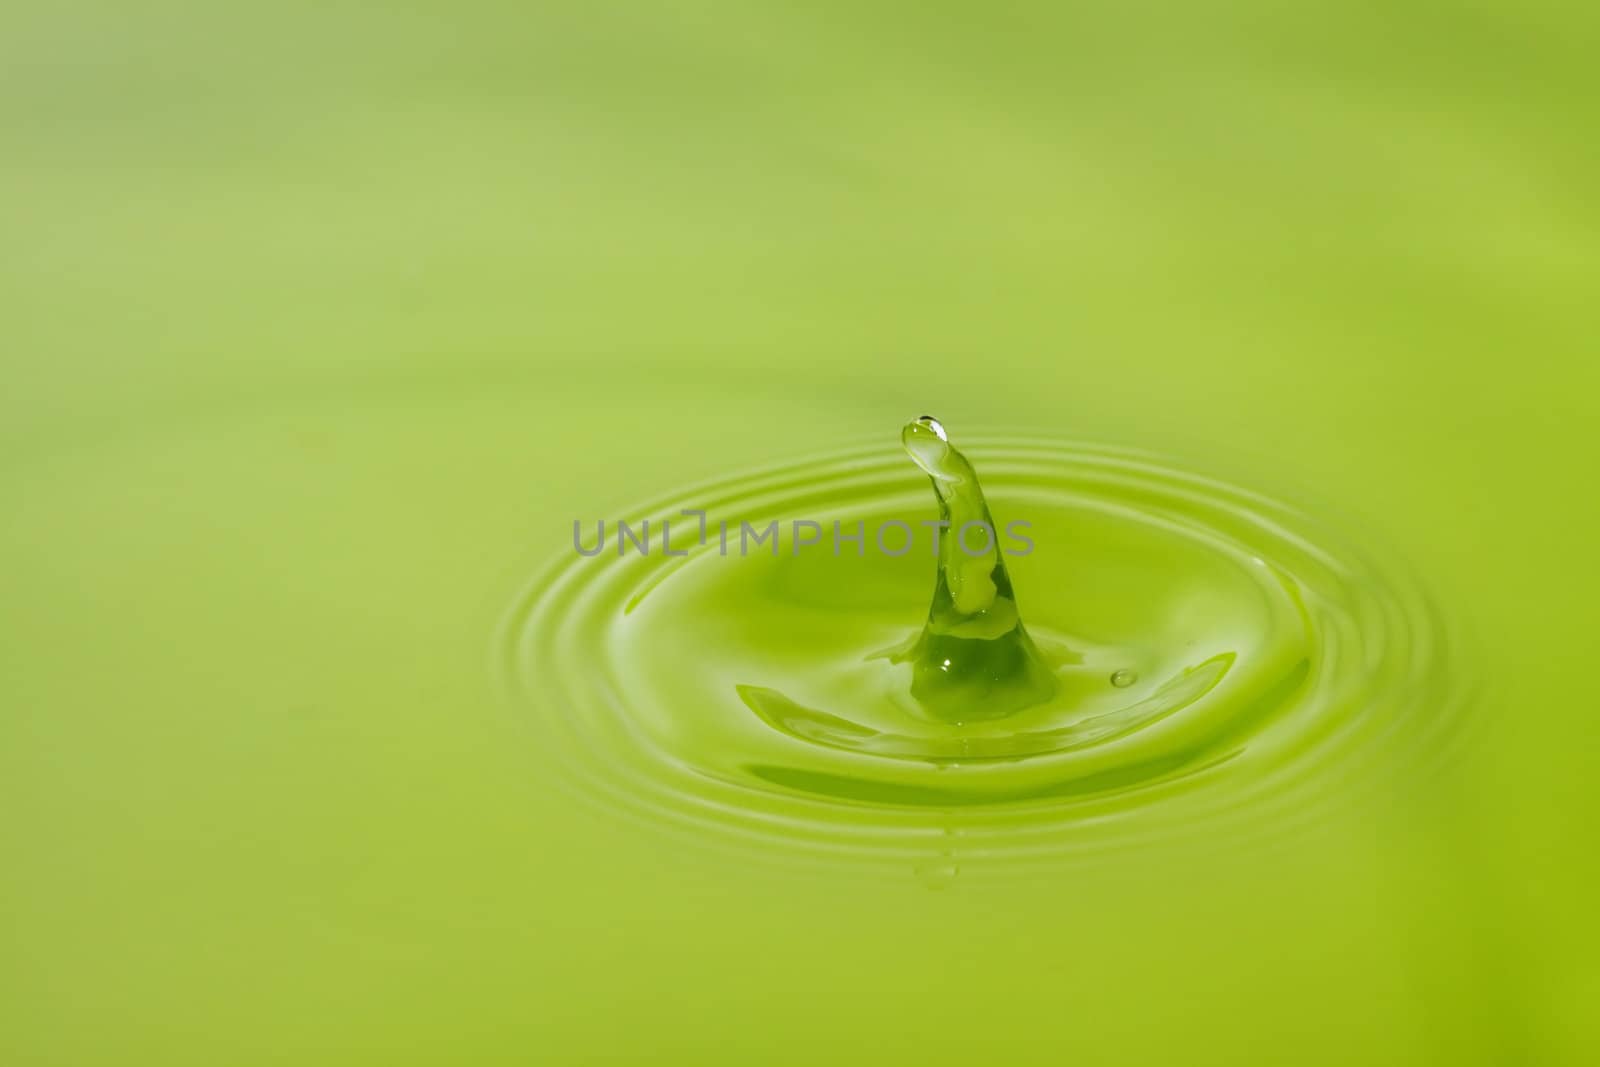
(973, 660)
(851, 744)
(937, 873)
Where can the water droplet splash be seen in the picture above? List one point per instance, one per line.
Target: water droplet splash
(748, 698)
(973, 659)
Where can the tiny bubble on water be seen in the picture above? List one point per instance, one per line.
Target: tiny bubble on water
(939, 872)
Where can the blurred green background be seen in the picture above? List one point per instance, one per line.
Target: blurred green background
(321, 322)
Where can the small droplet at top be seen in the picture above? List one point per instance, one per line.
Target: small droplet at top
(929, 447)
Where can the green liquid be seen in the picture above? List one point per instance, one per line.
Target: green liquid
(1202, 642)
(973, 659)
(321, 323)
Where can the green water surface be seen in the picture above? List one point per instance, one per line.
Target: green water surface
(321, 324)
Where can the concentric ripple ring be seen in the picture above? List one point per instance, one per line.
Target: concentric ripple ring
(1281, 670)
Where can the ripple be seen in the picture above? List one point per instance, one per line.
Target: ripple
(1225, 663)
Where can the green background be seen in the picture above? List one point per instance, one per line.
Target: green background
(321, 322)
